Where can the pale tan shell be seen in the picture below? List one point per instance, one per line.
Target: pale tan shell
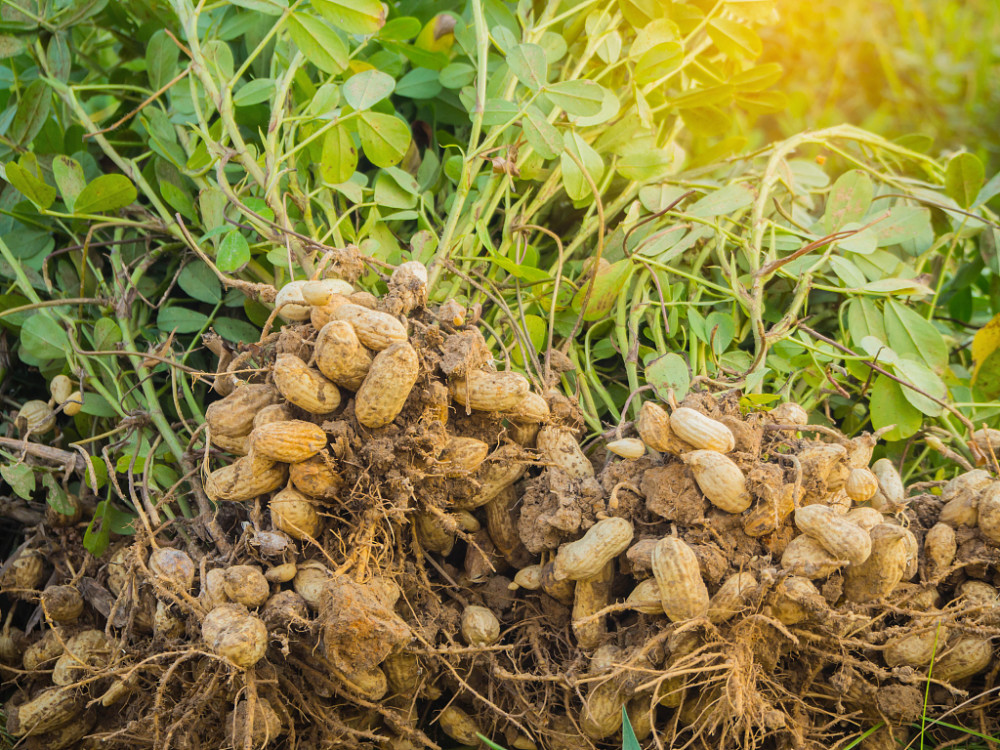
(173, 565)
(238, 445)
(45, 712)
(653, 426)
(319, 292)
(458, 725)
(234, 634)
(43, 651)
(561, 449)
(730, 599)
(502, 527)
(371, 684)
(961, 510)
(213, 587)
(295, 514)
(376, 330)
(480, 627)
(989, 513)
(432, 533)
(60, 387)
(841, 538)
(806, 557)
(720, 479)
(883, 568)
(940, 546)
(234, 414)
(73, 404)
(529, 578)
(340, 355)
(966, 656)
(281, 573)
(604, 659)
(310, 580)
(290, 302)
(986, 439)
(796, 600)
(391, 377)
(861, 485)
(84, 651)
(701, 431)
(36, 417)
(866, 518)
(246, 585)
(631, 448)
(602, 713)
(304, 386)
(166, 622)
(645, 598)
(969, 483)
(917, 649)
(682, 590)
(591, 595)
(766, 516)
(285, 610)
(493, 478)
(789, 413)
(62, 603)
(266, 726)
(531, 409)
(316, 477)
(585, 557)
(979, 592)
(490, 391)
(245, 478)
(402, 670)
(640, 716)
(272, 413)
(289, 442)
(26, 571)
(461, 456)
(323, 314)
(891, 492)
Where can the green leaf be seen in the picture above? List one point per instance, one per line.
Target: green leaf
(267, 7)
(400, 29)
(499, 111)
(56, 497)
(32, 111)
(200, 283)
(848, 201)
(340, 157)
(256, 91)
(527, 62)
(903, 223)
(457, 75)
(723, 201)
(10, 46)
(912, 334)
(964, 178)
(162, 56)
(419, 83)
(889, 406)
(384, 138)
(69, 178)
(574, 180)
(44, 338)
(607, 285)
(31, 187)
(107, 193)
(668, 372)
(320, 44)
(640, 12)
(645, 164)
(658, 62)
(395, 188)
(367, 88)
(629, 740)
(236, 331)
(583, 98)
(20, 477)
(864, 319)
(537, 330)
(363, 17)
(233, 252)
(734, 40)
(757, 78)
(541, 134)
(180, 319)
(918, 374)
(707, 121)
(107, 335)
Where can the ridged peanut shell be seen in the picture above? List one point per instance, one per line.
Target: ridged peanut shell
(290, 303)
(273, 413)
(989, 513)
(729, 600)
(480, 627)
(289, 442)
(645, 598)
(402, 670)
(234, 634)
(882, 570)
(245, 478)
(42, 652)
(796, 599)
(630, 448)
(561, 449)
(861, 485)
(585, 557)
(376, 330)
(46, 711)
(602, 713)
(918, 648)
(940, 546)
(490, 391)
(529, 578)
(494, 476)
(703, 432)
(295, 514)
(237, 445)
(234, 414)
(340, 356)
(36, 417)
(720, 479)
(458, 725)
(891, 492)
(433, 534)
(316, 477)
(173, 565)
(987, 440)
(310, 579)
(266, 725)
(304, 386)
(84, 651)
(387, 385)
(789, 413)
(866, 518)
(966, 656)
(319, 292)
(806, 557)
(591, 595)
(841, 538)
(246, 585)
(62, 603)
(60, 387)
(531, 409)
(653, 426)
(682, 590)
(460, 456)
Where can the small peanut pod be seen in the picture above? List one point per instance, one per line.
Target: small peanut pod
(645, 598)
(966, 657)
(480, 627)
(602, 714)
(561, 449)
(701, 431)
(235, 634)
(631, 448)
(891, 492)
(84, 651)
(989, 513)
(529, 578)
(295, 514)
(245, 479)
(866, 518)
(767, 516)
(979, 592)
(402, 671)
(289, 442)
(290, 303)
(272, 413)
(304, 386)
(316, 477)
(560, 590)
(883, 569)
(961, 510)
(796, 600)
(501, 525)
(789, 413)
(234, 414)
(46, 711)
(493, 478)
(461, 456)
(531, 409)
(720, 479)
(838, 536)
(376, 330)
(433, 534)
(320, 315)
(640, 716)
(806, 557)
(36, 417)
(62, 603)
(490, 391)
(585, 557)
(310, 580)
(458, 725)
(173, 565)
(727, 602)
(370, 683)
(918, 648)
(319, 292)
(589, 597)
(238, 445)
(387, 385)
(682, 590)
(653, 426)
(861, 485)
(940, 547)
(340, 355)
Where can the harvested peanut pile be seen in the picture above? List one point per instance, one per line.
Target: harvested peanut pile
(405, 547)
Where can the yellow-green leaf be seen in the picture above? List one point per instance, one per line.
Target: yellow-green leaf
(320, 44)
(984, 344)
(107, 193)
(384, 138)
(32, 188)
(734, 40)
(363, 17)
